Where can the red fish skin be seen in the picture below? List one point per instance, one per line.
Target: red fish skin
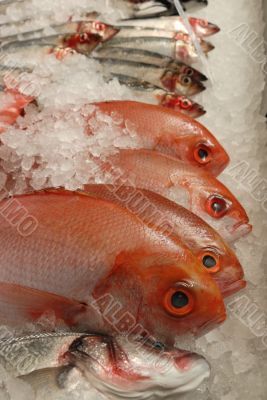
(196, 234)
(12, 104)
(193, 188)
(171, 132)
(85, 248)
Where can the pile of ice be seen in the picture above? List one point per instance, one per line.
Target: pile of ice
(37, 14)
(53, 144)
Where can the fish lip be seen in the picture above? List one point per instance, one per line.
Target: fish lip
(234, 287)
(213, 28)
(202, 77)
(197, 88)
(184, 361)
(242, 228)
(207, 46)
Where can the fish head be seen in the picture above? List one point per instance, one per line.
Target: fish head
(99, 28)
(200, 148)
(161, 295)
(181, 83)
(82, 42)
(182, 104)
(189, 71)
(213, 202)
(202, 27)
(120, 365)
(222, 264)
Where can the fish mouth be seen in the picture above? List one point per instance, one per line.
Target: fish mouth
(212, 29)
(196, 88)
(207, 46)
(241, 229)
(184, 362)
(233, 288)
(197, 111)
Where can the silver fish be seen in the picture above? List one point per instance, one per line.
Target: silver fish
(201, 27)
(93, 27)
(30, 52)
(148, 57)
(163, 78)
(178, 49)
(116, 367)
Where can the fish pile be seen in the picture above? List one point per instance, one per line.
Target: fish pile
(139, 255)
(152, 56)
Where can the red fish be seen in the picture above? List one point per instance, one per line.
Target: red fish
(12, 104)
(172, 133)
(195, 189)
(98, 253)
(204, 242)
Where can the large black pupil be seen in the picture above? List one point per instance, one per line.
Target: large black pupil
(217, 207)
(203, 154)
(209, 261)
(179, 299)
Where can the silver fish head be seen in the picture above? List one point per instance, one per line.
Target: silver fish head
(126, 367)
(180, 83)
(97, 27)
(203, 28)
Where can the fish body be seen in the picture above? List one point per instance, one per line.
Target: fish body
(195, 189)
(135, 32)
(113, 366)
(178, 49)
(95, 252)
(94, 27)
(25, 53)
(153, 9)
(164, 79)
(172, 133)
(147, 57)
(204, 242)
(201, 27)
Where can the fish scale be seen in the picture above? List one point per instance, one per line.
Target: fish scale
(84, 248)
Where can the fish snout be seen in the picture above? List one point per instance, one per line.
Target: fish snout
(212, 29)
(240, 229)
(232, 288)
(207, 46)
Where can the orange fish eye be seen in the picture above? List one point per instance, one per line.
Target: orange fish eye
(202, 154)
(210, 261)
(178, 302)
(217, 206)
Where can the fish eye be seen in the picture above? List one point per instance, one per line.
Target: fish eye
(185, 104)
(84, 37)
(217, 206)
(99, 26)
(202, 154)
(189, 71)
(210, 261)
(178, 302)
(203, 22)
(186, 80)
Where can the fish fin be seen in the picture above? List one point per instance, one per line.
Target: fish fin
(48, 381)
(19, 304)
